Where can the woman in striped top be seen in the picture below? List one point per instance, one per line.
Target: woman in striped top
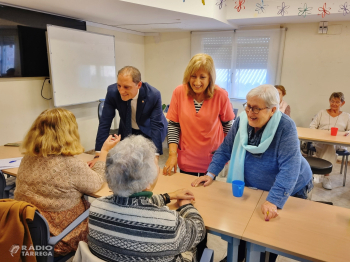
(200, 115)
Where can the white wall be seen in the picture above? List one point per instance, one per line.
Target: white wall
(20, 104)
(314, 66)
(21, 101)
(166, 58)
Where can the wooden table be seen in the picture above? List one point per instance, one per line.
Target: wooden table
(10, 152)
(304, 230)
(324, 136)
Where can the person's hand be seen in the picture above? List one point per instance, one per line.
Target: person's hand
(110, 142)
(182, 194)
(170, 164)
(92, 162)
(207, 180)
(182, 202)
(269, 210)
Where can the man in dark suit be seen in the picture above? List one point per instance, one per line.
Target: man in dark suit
(140, 109)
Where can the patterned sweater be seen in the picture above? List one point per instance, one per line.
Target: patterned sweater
(143, 229)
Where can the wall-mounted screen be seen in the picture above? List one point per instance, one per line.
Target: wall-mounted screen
(23, 51)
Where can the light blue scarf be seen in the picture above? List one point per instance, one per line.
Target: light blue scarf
(240, 145)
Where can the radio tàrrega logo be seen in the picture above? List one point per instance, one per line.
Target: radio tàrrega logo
(14, 249)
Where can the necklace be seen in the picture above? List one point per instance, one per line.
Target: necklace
(329, 121)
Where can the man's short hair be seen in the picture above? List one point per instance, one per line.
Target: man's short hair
(131, 71)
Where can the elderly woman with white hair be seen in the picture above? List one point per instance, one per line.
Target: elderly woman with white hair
(264, 150)
(135, 225)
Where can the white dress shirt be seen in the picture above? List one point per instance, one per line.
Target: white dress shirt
(133, 111)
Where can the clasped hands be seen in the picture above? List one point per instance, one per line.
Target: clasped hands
(183, 196)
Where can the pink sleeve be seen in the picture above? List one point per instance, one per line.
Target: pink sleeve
(174, 108)
(226, 112)
(287, 111)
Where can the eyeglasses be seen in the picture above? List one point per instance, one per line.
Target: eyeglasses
(254, 109)
(335, 102)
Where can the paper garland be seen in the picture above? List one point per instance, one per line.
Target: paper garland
(282, 9)
(324, 10)
(239, 5)
(303, 11)
(344, 8)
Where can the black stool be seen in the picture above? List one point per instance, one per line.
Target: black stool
(320, 166)
(345, 155)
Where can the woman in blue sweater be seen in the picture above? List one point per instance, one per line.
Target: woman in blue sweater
(264, 150)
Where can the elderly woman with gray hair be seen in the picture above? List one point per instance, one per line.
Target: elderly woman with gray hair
(264, 150)
(135, 225)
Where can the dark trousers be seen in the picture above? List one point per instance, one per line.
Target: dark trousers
(194, 174)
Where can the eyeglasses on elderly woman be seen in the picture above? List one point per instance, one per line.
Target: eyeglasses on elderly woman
(254, 109)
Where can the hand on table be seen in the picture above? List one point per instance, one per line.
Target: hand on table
(269, 210)
(170, 164)
(182, 194)
(92, 162)
(207, 180)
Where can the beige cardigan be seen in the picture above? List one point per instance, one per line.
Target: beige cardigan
(56, 183)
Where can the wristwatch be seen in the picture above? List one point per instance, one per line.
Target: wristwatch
(96, 156)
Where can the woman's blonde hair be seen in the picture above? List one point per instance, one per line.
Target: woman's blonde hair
(197, 62)
(54, 132)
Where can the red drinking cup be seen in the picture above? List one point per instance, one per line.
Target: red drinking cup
(334, 131)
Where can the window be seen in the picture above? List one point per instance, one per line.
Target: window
(243, 59)
(219, 46)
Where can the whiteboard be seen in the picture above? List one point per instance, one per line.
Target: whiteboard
(82, 65)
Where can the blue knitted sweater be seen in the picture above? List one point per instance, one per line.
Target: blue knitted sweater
(282, 169)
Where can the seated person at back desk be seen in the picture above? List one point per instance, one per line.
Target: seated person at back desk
(135, 225)
(325, 120)
(53, 180)
(140, 109)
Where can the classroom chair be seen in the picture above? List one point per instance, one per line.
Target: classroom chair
(320, 166)
(5, 189)
(84, 254)
(100, 108)
(166, 108)
(40, 233)
(235, 110)
(99, 114)
(345, 154)
(310, 149)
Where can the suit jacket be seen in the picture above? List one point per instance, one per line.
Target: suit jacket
(149, 115)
